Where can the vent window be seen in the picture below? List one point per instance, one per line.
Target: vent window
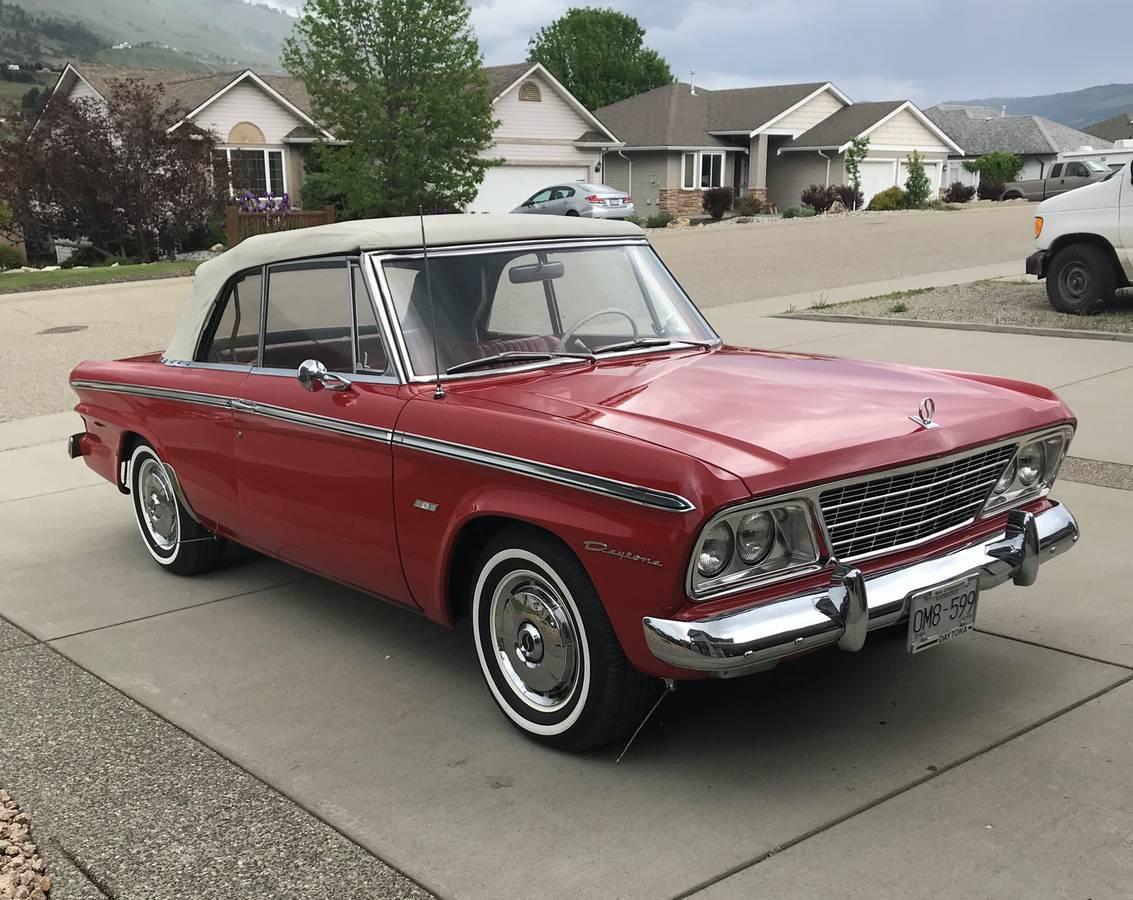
(530, 92)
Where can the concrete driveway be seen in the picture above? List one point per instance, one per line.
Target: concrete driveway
(994, 766)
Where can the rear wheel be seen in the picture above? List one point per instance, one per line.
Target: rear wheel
(572, 212)
(1081, 280)
(546, 647)
(1012, 195)
(174, 539)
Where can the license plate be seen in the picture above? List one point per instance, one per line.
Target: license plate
(942, 613)
(614, 202)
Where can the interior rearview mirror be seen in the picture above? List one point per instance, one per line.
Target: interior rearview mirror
(537, 272)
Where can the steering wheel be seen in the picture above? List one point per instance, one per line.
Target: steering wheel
(569, 334)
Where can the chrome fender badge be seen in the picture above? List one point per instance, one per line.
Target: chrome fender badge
(925, 413)
(600, 547)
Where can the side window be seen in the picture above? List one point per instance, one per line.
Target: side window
(1056, 172)
(541, 197)
(235, 337)
(308, 316)
(371, 352)
(1076, 170)
(519, 308)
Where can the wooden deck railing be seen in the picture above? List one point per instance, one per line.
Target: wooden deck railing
(240, 225)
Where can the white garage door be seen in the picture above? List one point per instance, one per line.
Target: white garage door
(505, 187)
(877, 175)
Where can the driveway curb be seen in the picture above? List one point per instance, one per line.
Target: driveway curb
(1075, 333)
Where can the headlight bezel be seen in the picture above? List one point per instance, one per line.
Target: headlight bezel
(1054, 445)
(799, 521)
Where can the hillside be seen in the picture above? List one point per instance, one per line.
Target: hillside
(1074, 108)
(202, 34)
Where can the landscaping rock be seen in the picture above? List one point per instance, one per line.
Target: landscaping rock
(837, 207)
(20, 864)
(679, 222)
(51, 268)
(217, 248)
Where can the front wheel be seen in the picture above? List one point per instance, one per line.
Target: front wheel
(1081, 280)
(175, 540)
(546, 647)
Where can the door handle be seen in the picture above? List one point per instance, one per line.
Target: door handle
(242, 405)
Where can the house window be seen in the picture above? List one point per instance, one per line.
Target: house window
(258, 171)
(529, 91)
(702, 170)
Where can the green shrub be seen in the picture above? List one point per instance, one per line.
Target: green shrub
(659, 219)
(918, 189)
(996, 168)
(636, 220)
(749, 205)
(10, 257)
(890, 198)
(799, 212)
(717, 201)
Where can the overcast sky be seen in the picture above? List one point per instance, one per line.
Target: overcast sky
(879, 50)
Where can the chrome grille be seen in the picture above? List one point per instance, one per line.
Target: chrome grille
(894, 510)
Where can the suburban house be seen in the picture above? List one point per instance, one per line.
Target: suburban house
(771, 141)
(1039, 141)
(1118, 128)
(263, 124)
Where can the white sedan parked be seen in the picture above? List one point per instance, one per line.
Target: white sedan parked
(593, 201)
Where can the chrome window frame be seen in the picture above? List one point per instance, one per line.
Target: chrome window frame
(379, 258)
(811, 498)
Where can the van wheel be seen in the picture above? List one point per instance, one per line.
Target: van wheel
(174, 539)
(547, 649)
(1081, 280)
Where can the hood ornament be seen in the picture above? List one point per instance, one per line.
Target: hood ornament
(925, 412)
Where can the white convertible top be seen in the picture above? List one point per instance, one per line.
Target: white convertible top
(344, 238)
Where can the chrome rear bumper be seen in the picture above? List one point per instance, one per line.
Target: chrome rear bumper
(739, 642)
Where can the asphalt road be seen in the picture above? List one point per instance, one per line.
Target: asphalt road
(994, 766)
(719, 264)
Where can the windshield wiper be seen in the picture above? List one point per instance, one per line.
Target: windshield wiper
(517, 355)
(646, 342)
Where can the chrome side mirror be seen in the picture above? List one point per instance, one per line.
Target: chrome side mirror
(312, 373)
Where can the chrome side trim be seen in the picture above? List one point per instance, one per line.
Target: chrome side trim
(180, 493)
(155, 393)
(741, 641)
(595, 484)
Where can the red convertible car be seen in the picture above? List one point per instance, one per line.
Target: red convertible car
(528, 423)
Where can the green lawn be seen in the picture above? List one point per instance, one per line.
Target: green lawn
(12, 282)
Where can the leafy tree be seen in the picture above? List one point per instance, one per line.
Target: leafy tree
(402, 82)
(112, 175)
(917, 186)
(996, 168)
(598, 56)
(855, 154)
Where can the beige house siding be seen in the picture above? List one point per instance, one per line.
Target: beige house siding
(248, 103)
(789, 174)
(905, 130)
(810, 113)
(83, 91)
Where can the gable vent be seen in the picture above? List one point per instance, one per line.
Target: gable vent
(529, 91)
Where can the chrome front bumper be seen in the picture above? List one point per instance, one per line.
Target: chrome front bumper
(736, 643)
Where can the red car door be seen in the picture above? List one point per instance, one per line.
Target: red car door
(314, 463)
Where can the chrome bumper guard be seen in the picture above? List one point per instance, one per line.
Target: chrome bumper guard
(736, 643)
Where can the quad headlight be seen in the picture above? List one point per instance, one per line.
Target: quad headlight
(750, 544)
(1031, 471)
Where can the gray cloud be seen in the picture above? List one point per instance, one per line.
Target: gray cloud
(929, 50)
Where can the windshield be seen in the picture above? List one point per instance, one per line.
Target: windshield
(1096, 167)
(521, 306)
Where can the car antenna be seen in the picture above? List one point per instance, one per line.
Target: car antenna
(439, 391)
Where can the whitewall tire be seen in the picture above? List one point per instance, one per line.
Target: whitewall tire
(546, 648)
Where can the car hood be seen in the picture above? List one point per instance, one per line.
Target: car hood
(778, 420)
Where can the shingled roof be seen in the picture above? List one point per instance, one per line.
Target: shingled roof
(1118, 128)
(980, 130)
(675, 116)
(845, 125)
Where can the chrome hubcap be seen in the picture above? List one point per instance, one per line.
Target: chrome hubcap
(535, 640)
(158, 504)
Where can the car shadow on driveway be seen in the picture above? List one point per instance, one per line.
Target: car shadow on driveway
(378, 720)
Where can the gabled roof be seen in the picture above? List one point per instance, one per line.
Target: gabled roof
(503, 78)
(676, 115)
(859, 120)
(980, 130)
(1118, 128)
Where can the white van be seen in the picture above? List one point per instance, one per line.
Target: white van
(1084, 241)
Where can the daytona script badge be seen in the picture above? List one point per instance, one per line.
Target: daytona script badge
(599, 547)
